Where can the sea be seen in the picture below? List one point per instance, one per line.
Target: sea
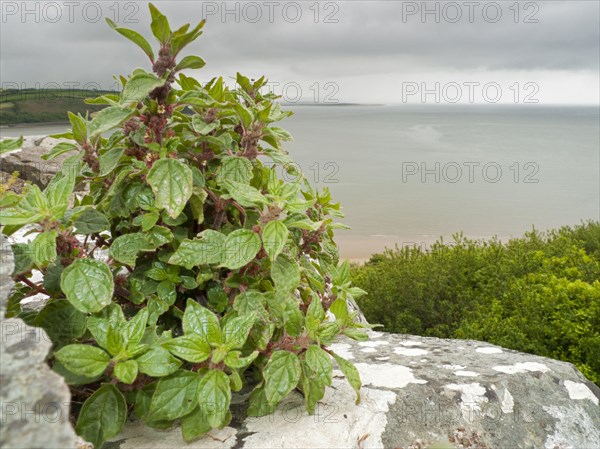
(409, 175)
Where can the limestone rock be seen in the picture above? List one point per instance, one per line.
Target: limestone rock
(29, 163)
(418, 392)
(34, 400)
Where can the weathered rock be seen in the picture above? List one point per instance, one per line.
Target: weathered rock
(34, 401)
(28, 160)
(417, 392)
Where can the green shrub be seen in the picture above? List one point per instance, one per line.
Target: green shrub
(537, 294)
(217, 274)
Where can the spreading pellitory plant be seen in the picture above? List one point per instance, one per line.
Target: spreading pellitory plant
(179, 267)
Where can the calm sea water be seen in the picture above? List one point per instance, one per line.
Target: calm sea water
(409, 174)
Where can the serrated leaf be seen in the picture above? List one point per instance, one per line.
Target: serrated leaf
(126, 371)
(281, 375)
(274, 237)
(160, 25)
(244, 194)
(190, 62)
(201, 127)
(192, 348)
(139, 86)
(201, 321)
(109, 160)
(241, 247)
(91, 221)
(194, 425)
(157, 362)
(236, 330)
(85, 360)
(43, 248)
(126, 248)
(285, 273)
(172, 184)
(319, 365)
(206, 249)
(102, 415)
(107, 119)
(175, 396)
(214, 396)
(351, 373)
(134, 37)
(59, 149)
(88, 285)
(235, 360)
(234, 168)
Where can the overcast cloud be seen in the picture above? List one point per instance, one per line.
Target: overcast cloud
(357, 51)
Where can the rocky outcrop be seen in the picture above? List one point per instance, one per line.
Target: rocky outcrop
(28, 160)
(34, 401)
(417, 393)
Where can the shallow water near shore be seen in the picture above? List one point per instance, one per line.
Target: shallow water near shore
(407, 175)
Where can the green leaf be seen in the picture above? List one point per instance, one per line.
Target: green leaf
(107, 119)
(115, 343)
(274, 237)
(139, 86)
(79, 126)
(58, 149)
(234, 168)
(285, 273)
(234, 360)
(194, 425)
(149, 220)
(236, 330)
(201, 321)
(172, 183)
(160, 25)
(313, 391)
(58, 193)
(43, 248)
(356, 334)
(87, 284)
(351, 373)
(134, 37)
(175, 396)
(206, 249)
(192, 348)
(201, 127)
(134, 329)
(244, 194)
(126, 248)
(7, 145)
(62, 322)
(241, 247)
(32, 207)
(102, 416)
(190, 62)
(281, 375)
(109, 160)
(259, 405)
(158, 362)
(214, 395)
(340, 309)
(126, 371)
(318, 365)
(85, 360)
(91, 221)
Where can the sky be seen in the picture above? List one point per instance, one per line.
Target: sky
(390, 52)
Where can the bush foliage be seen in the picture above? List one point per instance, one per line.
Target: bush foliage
(538, 294)
(189, 270)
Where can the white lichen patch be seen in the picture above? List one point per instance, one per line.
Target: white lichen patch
(387, 375)
(466, 373)
(453, 367)
(489, 350)
(580, 391)
(384, 358)
(574, 428)
(368, 350)
(507, 402)
(411, 343)
(342, 349)
(522, 368)
(337, 421)
(373, 344)
(410, 351)
(472, 396)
